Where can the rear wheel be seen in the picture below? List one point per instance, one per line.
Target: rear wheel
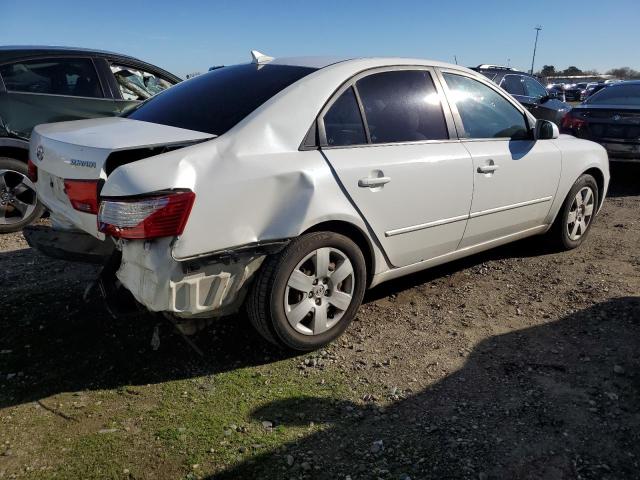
(307, 295)
(577, 214)
(19, 205)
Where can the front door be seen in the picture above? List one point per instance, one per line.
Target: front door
(409, 179)
(515, 177)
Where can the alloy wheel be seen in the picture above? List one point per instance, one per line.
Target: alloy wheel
(319, 291)
(18, 199)
(580, 213)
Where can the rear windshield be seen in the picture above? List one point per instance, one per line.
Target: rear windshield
(218, 100)
(616, 95)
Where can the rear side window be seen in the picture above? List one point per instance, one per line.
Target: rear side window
(484, 112)
(343, 123)
(216, 101)
(402, 106)
(136, 84)
(54, 76)
(617, 95)
(534, 88)
(513, 84)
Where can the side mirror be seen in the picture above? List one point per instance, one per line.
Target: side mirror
(545, 130)
(544, 99)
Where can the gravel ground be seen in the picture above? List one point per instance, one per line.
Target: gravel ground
(517, 363)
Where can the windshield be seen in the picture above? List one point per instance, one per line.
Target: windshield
(616, 95)
(216, 101)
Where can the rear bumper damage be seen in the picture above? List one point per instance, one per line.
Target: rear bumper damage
(71, 245)
(201, 288)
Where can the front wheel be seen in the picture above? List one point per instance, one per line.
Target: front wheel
(307, 295)
(19, 205)
(576, 216)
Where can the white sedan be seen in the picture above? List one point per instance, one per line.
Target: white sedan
(292, 185)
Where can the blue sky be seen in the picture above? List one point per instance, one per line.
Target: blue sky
(186, 35)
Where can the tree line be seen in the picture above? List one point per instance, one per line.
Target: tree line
(622, 73)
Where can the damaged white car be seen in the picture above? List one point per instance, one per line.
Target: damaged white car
(292, 185)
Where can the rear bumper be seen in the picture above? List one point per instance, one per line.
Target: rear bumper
(203, 288)
(71, 245)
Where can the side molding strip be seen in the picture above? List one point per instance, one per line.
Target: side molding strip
(459, 218)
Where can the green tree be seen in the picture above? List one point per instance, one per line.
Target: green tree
(572, 71)
(548, 71)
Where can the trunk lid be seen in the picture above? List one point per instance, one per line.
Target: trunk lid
(90, 150)
(610, 123)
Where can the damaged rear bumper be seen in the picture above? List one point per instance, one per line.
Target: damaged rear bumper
(210, 286)
(71, 245)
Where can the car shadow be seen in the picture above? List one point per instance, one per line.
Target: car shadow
(556, 401)
(54, 340)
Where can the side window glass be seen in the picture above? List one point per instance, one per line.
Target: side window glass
(534, 89)
(402, 106)
(343, 123)
(484, 112)
(54, 76)
(136, 84)
(513, 84)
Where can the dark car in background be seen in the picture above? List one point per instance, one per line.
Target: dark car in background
(528, 91)
(591, 89)
(610, 117)
(54, 84)
(573, 91)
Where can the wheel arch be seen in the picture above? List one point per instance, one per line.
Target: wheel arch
(16, 149)
(355, 234)
(599, 177)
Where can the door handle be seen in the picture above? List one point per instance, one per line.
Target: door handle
(488, 168)
(371, 182)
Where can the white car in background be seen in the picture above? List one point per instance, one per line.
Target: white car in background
(292, 185)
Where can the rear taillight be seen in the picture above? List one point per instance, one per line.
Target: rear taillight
(572, 123)
(83, 194)
(146, 217)
(32, 171)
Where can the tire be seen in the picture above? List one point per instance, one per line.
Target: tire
(19, 204)
(279, 297)
(567, 234)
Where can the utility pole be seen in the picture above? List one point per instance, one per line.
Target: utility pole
(535, 46)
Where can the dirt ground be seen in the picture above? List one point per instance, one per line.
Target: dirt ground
(517, 363)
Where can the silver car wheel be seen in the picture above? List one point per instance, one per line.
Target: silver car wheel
(580, 213)
(18, 199)
(319, 291)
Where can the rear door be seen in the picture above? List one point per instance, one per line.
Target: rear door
(515, 177)
(403, 167)
(51, 89)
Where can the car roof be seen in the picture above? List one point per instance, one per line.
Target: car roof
(11, 53)
(320, 62)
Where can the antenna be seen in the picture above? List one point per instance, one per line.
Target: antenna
(455, 59)
(259, 57)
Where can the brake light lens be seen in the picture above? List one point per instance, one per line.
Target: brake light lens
(83, 195)
(572, 123)
(32, 171)
(146, 217)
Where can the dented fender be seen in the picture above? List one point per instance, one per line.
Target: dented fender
(241, 198)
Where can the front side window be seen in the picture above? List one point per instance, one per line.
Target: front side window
(513, 84)
(483, 111)
(534, 89)
(76, 77)
(342, 122)
(402, 106)
(216, 101)
(136, 84)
